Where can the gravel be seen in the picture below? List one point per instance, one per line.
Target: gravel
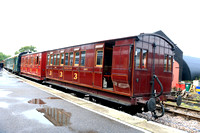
(191, 126)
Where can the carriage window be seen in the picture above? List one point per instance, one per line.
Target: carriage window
(165, 63)
(39, 60)
(51, 59)
(58, 59)
(35, 60)
(82, 58)
(138, 54)
(76, 59)
(62, 59)
(66, 59)
(144, 58)
(54, 60)
(71, 58)
(169, 63)
(48, 59)
(99, 58)
(31, 60)
(26, 61)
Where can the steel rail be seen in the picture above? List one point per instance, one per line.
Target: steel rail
(188, 99)
(176, 112)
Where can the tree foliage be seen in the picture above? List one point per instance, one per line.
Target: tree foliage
(26, 48)
(17, 52)
(3, 56)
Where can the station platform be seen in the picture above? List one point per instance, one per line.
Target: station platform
(26, 106)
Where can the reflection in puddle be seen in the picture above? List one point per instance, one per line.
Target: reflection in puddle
(33, 114)
(36, 101)
(57, 116)
(4, 93)
(3, 105)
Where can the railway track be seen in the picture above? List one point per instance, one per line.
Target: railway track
(189, 99)
(188, 113)
(191, 102)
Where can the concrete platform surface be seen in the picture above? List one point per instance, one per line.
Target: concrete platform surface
(26, 106)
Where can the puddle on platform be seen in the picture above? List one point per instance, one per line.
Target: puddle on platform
(4, 105)
(36, 101)
(56, 116)
(4, 93)
(33, 114)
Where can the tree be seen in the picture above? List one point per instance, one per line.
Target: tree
(26, 48)
(3, 56)
(17, 52)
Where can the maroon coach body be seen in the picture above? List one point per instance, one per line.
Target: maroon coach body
(133, 71)
(33, 65)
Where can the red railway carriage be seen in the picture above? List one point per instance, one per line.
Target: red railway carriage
(130, 71)
(33, 65)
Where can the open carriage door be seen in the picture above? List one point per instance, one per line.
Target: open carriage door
(98, 68)
(121, 66)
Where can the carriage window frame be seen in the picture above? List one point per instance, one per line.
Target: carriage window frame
(48, 59)
(168, 63)
(26, 60)
(141, 61)
(39, 60)
(58, 59)
(76, 58)
(54, 59)
(165, 62)
(23, 61)
(71, 58)
(62, 57)
(144, 59)
(101, 60)
(35, 60)
(82, 63)
(66, 59)
(138, 58)
(29, 61)
(51, 58)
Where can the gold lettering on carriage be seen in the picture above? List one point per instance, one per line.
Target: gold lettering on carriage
(75, 76)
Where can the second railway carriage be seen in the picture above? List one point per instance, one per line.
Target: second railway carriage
(13, 63)
(130, 71)
(33, 65)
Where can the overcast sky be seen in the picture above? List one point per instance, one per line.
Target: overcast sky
(50, 24)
